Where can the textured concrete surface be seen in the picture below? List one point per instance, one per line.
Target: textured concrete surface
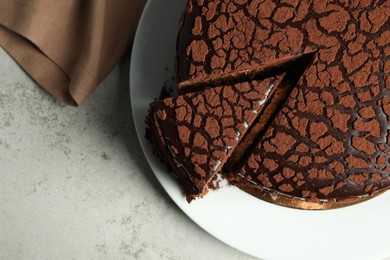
(75, 184)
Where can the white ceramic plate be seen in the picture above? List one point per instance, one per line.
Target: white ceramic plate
(255, 227)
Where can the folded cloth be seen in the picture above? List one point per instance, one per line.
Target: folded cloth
(69, 46)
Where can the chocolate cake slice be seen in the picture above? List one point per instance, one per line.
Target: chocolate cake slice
(197, 132)
(329, 144)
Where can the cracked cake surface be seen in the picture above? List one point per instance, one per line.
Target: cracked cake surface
(196, 133)
(330, 140)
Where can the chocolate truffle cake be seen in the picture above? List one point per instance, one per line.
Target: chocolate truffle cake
(328, 145)
(196, 133)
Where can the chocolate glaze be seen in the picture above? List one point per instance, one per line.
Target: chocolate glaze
(330, 141)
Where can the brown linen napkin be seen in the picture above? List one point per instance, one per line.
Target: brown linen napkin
(69, 46)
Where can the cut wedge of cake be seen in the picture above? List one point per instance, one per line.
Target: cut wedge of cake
(197, 132)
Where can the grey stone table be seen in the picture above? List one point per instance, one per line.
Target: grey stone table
(74, 183)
